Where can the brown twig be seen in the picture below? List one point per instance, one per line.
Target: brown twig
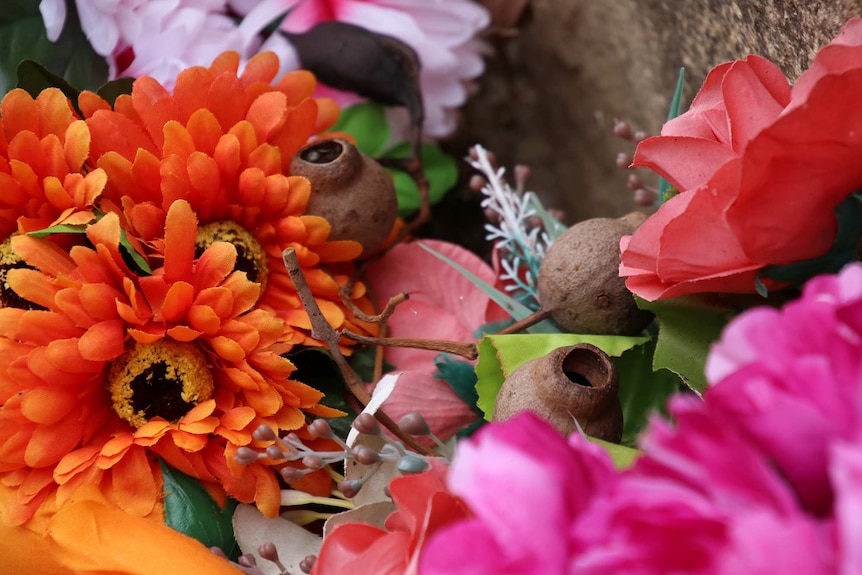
(527, 322)
(379, 318)
(322, 331)
(466, 350)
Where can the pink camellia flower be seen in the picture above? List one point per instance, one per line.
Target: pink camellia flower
(525, 485)
(443, 305)
(443, 34)
(761, 169)
(158, 38)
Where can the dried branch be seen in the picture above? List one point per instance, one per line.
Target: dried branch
(323, 332)
(466, 350)
(527, 322)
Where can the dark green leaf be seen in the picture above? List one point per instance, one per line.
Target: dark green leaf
(71, 57)
(460, 376)
(687, 328)
(138, 260)
(315, 367)
(189, 509)
(110, 91)
(642, 390)
(440, 170)
(367, 124)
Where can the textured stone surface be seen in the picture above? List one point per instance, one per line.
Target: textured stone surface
(551, 94)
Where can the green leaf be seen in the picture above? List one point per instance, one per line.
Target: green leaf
(499, 355)
(622, 456)
(665, 190)
(512, 306)
(23, 36)
(189, 509)
(642, 390)
(110, 91)
(315, 367)
(460, 376)
(60, 229)
(137, 259)
(366, 122)
(687, 328)
(440, 170)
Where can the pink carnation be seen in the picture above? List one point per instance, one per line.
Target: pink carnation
(763, 475)
(526, 485)
(443, 34)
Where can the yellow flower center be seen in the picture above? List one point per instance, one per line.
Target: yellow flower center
(9, 260)
(162, 379)
(250, 257)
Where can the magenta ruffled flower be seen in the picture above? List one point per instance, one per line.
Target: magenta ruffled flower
(526, 485)
(763, 475)
(444, 35)
(789, 380)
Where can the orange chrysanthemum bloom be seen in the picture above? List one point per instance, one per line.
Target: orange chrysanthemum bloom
(42, 152)
(223, 142)
(118, 370)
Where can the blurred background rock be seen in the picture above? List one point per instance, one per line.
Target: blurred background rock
(554, 87)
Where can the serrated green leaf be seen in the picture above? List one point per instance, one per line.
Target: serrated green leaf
(499, 355)
(366, 122)
(23, 37)
(440, 169)
(189, 509)
(688, 326)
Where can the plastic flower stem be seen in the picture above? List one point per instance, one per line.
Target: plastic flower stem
(322, 331)
(466, 350)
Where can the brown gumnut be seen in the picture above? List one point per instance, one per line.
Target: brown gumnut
(355, 194)
(579, 279)
(569, 384)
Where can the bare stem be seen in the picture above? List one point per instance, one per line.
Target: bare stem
(466, 350)
(322, 331)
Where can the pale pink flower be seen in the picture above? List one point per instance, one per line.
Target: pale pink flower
(157, 38)
(443, 305)
(442, 32)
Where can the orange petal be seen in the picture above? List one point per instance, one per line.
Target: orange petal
(177, 301)
(47, 405)
(103, 341)
(180, 232)
(93, 536)
(134, 485)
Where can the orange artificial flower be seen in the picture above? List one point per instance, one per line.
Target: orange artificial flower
(223, 142)
(116, 371)
(88, 534)
(42, 153)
